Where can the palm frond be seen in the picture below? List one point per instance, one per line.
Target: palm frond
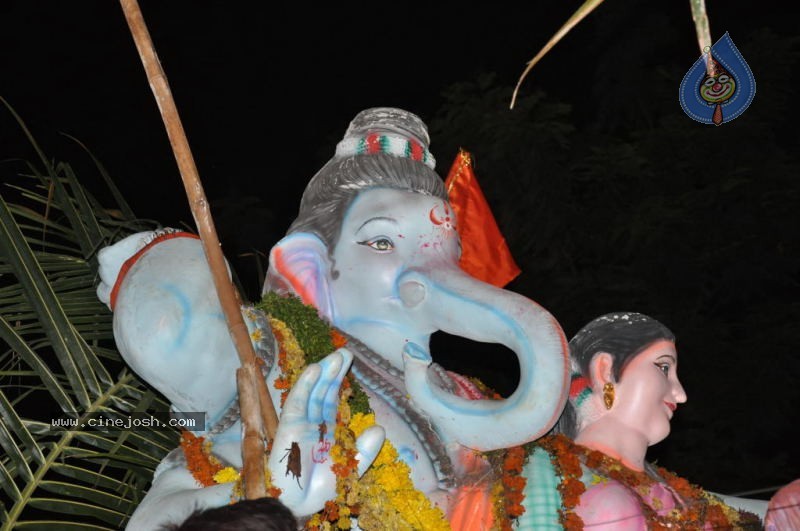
(59, 361)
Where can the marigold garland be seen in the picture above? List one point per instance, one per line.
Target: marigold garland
(291, 359)
(696, 508)
(386, 487)
(227, 475)
(513, 481)
(199, 460)
(508, 489)
(508, 492)
(501, 520)
(337, 339)
(345, 466)
(385, 493)
(388, 495)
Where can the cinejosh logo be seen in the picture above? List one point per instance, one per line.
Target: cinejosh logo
(116, 421)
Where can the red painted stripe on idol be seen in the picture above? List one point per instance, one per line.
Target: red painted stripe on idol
(302, 289)
(578, 385)
(133, 259)
(416, 150)
(373, 143)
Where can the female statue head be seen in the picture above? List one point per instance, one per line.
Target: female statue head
(604, 357)
(623, 394)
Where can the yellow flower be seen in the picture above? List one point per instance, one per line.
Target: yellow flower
(227, 475)
(385, 493)
(295, 357)
(360, 422)
(596, 480)
(314, 521)
(388, 494)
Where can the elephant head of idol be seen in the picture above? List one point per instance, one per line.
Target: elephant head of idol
(375, 248)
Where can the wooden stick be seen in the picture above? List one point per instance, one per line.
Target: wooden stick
(253, 455)
(700, 18)
(252, 438)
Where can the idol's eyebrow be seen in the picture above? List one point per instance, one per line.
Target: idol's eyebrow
(377, 218)
(668, 356)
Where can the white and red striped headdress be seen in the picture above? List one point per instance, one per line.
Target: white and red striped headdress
(386, 130)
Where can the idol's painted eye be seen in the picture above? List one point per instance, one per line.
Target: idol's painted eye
(382, 244)
(723, 78)
(663, 367)
(710, 81)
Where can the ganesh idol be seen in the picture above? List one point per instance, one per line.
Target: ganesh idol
(374, 250)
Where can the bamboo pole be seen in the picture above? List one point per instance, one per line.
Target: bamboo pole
(701, 26)
(252, 388)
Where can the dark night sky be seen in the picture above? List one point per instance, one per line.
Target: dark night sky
(266, 92)
(263, 92)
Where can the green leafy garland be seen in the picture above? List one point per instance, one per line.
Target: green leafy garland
(313, 335)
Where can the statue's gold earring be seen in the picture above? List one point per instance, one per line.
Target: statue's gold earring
(608, 395)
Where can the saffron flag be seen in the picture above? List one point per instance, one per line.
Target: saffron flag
(484, 253)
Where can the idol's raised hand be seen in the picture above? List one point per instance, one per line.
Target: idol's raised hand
(300, 462)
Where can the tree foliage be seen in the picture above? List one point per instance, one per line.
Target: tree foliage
(58, 361)
(644, 209)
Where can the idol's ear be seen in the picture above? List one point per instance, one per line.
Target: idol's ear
(601, 370)
(299, 264)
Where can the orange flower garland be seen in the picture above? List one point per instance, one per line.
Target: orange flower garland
(410, 506)
(199, 460)
(337, 339)
(205, 468)
(509, 491)
(514, 483)
(351, 491)
(345, 466)
(291, 360)
(290, 357)
(698, 508)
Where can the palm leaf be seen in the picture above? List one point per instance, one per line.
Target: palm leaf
(699, 16)
(58, 361)
(587, 7)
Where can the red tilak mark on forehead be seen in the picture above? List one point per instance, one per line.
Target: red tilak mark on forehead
(433, 217)
(437, 220)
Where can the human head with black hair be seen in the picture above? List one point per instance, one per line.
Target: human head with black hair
(262, 514)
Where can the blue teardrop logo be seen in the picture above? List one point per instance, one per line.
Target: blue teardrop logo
(719, 86)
